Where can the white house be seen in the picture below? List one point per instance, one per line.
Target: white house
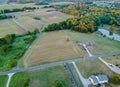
(98, 79)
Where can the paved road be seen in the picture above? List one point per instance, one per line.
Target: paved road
(113, 67)
(110, 66)
(9, 79)
(56, 63)
(83, 80)
(106, 32)
(72, 75)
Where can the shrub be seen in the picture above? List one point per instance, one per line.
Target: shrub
(26, 82)
(58, 83)
(115, 79)
(12, 63)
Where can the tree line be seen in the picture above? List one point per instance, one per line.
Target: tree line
(3, 16)
(17, 9)
(84, 25)
(100, 15)
(11, 48)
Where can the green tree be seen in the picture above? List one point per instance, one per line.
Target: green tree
(12, 63)
(58, 83)
(8, 38)
(112, 28)
(36, 30)
(115, 79)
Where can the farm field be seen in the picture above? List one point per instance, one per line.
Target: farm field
(103, 45)
(46, 15)
(26, 21)
(8, 27)
(3, 80)
(46, 18)
(42, 78)
(12, 6)
(92, 67)
(113, 60)
(51, 47)
(61, 3)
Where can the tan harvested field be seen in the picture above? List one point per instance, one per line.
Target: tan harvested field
(26, 20)
(52, 47)
(29, 23)
(50, 14)
(8, 27)
(114, 60)
(12, 6)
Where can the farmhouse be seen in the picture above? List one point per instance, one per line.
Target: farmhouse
(99, 79)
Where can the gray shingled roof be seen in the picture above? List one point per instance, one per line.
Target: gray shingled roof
(102, 77)
(94, 79)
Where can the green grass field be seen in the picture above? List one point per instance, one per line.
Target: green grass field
(103, 45)
(76, 75)
(93, 67)
(3, 80)
(43, 77)
(113, 60)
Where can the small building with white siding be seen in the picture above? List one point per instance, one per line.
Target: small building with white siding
(98, 79)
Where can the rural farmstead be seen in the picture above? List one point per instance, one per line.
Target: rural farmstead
(59, 43)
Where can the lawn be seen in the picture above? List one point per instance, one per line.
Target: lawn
(113, 60)
(76, 75)
(3, 80)
(8, 27)
(92, 67)
(51, 47)
(43, 77)
(103, 45)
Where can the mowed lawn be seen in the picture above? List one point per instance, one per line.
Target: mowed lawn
(51, 47)
(3, 80)
(93, 67)
(113, 60)
(8, 27)
(43, 78)
(90, 67)
(103, 45)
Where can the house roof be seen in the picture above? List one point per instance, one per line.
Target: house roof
(94, 79)
(102, 77)
(98, 79)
